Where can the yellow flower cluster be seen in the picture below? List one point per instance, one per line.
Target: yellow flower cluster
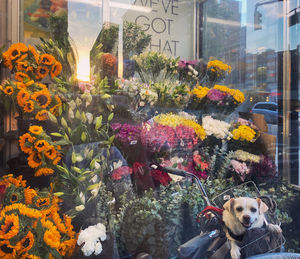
(244, 132)
(43, 224)
(173, 120)
(235, 93)
(200, 91)
(41, 150)
(245, 156)
(218, 65)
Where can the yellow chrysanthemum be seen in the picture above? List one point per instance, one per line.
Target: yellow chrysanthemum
(244, 132)
(219, 65)
(239, 96)
(173, 121)
(200, 92)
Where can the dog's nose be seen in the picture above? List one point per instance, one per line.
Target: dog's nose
(246, 218)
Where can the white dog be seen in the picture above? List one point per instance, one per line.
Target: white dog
(241, 214)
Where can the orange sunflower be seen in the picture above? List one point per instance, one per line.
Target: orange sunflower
(52, 238)
(7, 61)
(15, 50)
(58, 100)
(43, 98)
(20, 85)
(57, 160)
(14, 198)
(50, 152)
(41, 145)
(34, 53)
(42, 202)
(42, 115)
(30, 256)
(41, 85)
(8, 90)
(7, 251)
(37, 130)
(20, 59)
(22, 97)
(54, 110)
(29, 195)
(25, 244)
(42, 71)
(44, 171)
(56, 69)
(20, 76)
(10, 228)
(29, 106)
(34, 160)
(47, 59)
(22, 141)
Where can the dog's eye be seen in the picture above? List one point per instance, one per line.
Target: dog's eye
(253, 210)
(239, 209)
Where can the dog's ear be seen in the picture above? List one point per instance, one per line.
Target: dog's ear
(229, 204)
(262, 207)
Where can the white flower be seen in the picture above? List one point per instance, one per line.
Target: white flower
(142, 104)
(187, 116)
(190, 67)
(97, 165)
(94, 178)
(89, 117)
(217, 128)
(245, 156)
(82, 197)
(95, 191)
(116, 165)
(79, 158)
(79, 208)
(91, 238)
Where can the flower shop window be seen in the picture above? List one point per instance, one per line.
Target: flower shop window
(103, 99)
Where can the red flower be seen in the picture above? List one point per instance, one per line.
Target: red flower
(161, 177)
(120, 172)
(138, 168)
(2, 191)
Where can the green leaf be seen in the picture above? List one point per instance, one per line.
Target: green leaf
(83, 136)
(64, 123)
(110, 117)
(111, 139)
(66, 137)
(82, 178)
(62, 142)
(98, 122)
(73, 157)
(83, 117)
(92, 164)
(56, 134)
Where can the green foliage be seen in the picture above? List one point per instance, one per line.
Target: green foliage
(154, 66)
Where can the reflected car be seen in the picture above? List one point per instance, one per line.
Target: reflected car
(268, 109)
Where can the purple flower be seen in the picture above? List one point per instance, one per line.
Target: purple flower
(127, 133)
(265, 168)
(215, 95)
